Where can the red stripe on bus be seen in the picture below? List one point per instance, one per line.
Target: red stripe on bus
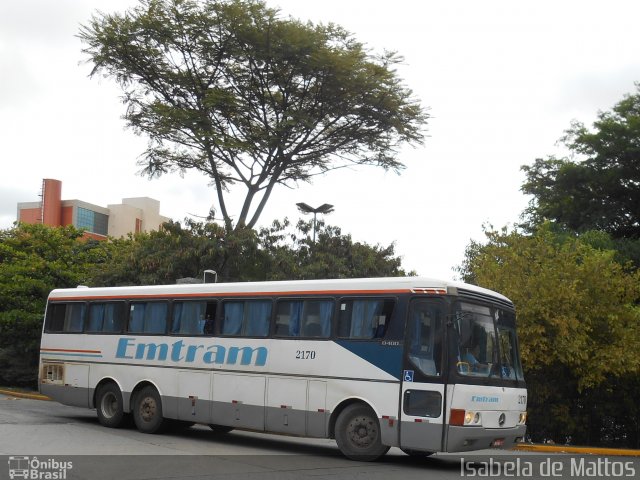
(229, 294)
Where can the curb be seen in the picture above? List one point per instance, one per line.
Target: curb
(18, 394)
(622, 452)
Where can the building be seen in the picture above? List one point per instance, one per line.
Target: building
(133, 215)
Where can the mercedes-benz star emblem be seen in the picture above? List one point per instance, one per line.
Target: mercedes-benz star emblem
(501, 420)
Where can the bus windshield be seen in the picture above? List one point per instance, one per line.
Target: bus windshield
(486, 343)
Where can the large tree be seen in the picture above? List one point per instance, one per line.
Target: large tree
(231, 89)
(599, 187)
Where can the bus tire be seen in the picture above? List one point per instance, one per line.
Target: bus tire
(358, 435)
(109, 405)
(147, 411)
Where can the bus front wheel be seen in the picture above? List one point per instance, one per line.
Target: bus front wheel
(109, 405)
(147, 410)
(358, 433)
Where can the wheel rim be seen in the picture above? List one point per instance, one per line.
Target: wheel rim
(362, 431)
(109, 405)
(148, 409)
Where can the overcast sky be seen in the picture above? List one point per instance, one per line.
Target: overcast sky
(502, 80)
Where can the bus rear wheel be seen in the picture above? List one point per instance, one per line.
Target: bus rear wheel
(147, 410)
(109, 406)
(358, 433)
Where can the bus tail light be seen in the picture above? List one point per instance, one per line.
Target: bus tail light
(52, 373)
(456, 417)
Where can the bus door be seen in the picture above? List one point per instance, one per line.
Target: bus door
(421, 415)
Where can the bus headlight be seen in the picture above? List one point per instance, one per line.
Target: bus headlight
(523, 418)
(471, 418)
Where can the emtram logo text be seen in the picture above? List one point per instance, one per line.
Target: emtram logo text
(129, 348)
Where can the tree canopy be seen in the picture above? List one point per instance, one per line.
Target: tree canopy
(575, 302)
(35, 259)
(295, 254)
(278, 252)
(600, 189)
(231, 89)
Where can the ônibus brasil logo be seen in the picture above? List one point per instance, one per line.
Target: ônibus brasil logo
(37, 469)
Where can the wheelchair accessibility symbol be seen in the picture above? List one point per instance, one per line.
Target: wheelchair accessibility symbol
(408, 375)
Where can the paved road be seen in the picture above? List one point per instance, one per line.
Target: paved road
(54, 434)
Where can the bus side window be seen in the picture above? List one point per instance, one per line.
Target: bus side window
(106, 317)
(66, 317)
(148, 317)
(304, 318)
(55, 317)
(193, 318)
(316, 321)
(209, 318)
(232, 316)
(425, 336)
(366, 318)
(247, 318)
(288, 314)
(257, 318)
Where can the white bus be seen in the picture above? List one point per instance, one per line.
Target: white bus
(420, 364)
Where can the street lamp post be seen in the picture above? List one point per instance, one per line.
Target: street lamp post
(324, 208)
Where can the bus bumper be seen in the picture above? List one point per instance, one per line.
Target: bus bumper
(463, 439)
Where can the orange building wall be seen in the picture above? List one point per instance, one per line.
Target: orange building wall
(29, 215)
(52, 202)
(67, 216)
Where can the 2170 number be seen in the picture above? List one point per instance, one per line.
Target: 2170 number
(305, 354)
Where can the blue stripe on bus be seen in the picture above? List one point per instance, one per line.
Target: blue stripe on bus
(385, 357)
